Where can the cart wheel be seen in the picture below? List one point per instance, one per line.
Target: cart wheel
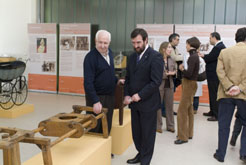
(19, 93)
(6, 93)
(8, 105)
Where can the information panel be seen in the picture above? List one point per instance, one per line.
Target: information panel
(74, 45)
(227, 33)
(202, 32)
(42, 53)
(157, 33)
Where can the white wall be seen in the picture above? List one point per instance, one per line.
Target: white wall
(14, 17)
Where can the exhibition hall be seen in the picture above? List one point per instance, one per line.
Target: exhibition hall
(116, 82)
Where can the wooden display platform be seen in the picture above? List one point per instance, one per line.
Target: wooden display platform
(7, 59)
(121, 135)
(16, 111)
(87, 150)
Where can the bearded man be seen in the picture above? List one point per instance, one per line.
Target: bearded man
(141, 91)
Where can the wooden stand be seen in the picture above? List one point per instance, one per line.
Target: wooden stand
(87, 150)
(17, 111)
(121, 134)
(7, 59)
(119, 97)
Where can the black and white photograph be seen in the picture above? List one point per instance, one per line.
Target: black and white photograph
(48, 66)
(67, 43)
(82, 43)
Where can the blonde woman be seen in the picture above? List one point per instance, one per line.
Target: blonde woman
(167, 88)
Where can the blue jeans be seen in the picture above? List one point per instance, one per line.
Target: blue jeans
(195, 103)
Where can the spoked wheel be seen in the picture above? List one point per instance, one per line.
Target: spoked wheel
(6, 92)
(6, 95)
(20, 91)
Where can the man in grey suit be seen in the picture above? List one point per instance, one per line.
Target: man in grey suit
(143, 78)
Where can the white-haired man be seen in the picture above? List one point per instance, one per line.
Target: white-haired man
(99, 78)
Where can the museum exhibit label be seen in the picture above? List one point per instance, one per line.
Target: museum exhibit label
(74, 45)
(43, 57)
(227, 33)
(157, 33)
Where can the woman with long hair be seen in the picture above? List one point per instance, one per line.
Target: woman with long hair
(167, 88)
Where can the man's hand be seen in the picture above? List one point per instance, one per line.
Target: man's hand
(136, 98)
(170, 73)
(181, 67)
(200, 54)
(233, 91)
(127, 100)
(121, 81)
(97, 108)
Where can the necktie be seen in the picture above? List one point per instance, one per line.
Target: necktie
(138, 58)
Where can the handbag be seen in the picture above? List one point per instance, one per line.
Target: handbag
(202, 70)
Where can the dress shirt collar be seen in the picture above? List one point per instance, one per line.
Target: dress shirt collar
(217, 43)
(106, 57)
(146, 47)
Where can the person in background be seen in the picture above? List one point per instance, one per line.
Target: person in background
(196, 97)
(231, 72)
(202, 66)
(185, 116)
(163, 109)
(211, 60)
(176, 56)
(143, 78)
(166, 88)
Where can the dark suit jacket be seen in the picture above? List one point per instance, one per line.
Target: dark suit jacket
(211, 60)
(144, 78)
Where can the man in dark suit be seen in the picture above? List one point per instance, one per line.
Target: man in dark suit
(143, 78)
(211, 60)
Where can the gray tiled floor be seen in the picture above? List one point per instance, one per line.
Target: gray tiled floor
(198, 151)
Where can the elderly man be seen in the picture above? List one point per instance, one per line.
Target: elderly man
(143, 78)
(231, 72)
(99, 78)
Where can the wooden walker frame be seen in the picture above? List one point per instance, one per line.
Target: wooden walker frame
(63, 125)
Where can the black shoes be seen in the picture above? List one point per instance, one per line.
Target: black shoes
(207, 114)
(112, 156)
(243, 158)
(217, 158)
(134, 160)
(233, 140)
(213, 118)
(174, 113)
(180, 141)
